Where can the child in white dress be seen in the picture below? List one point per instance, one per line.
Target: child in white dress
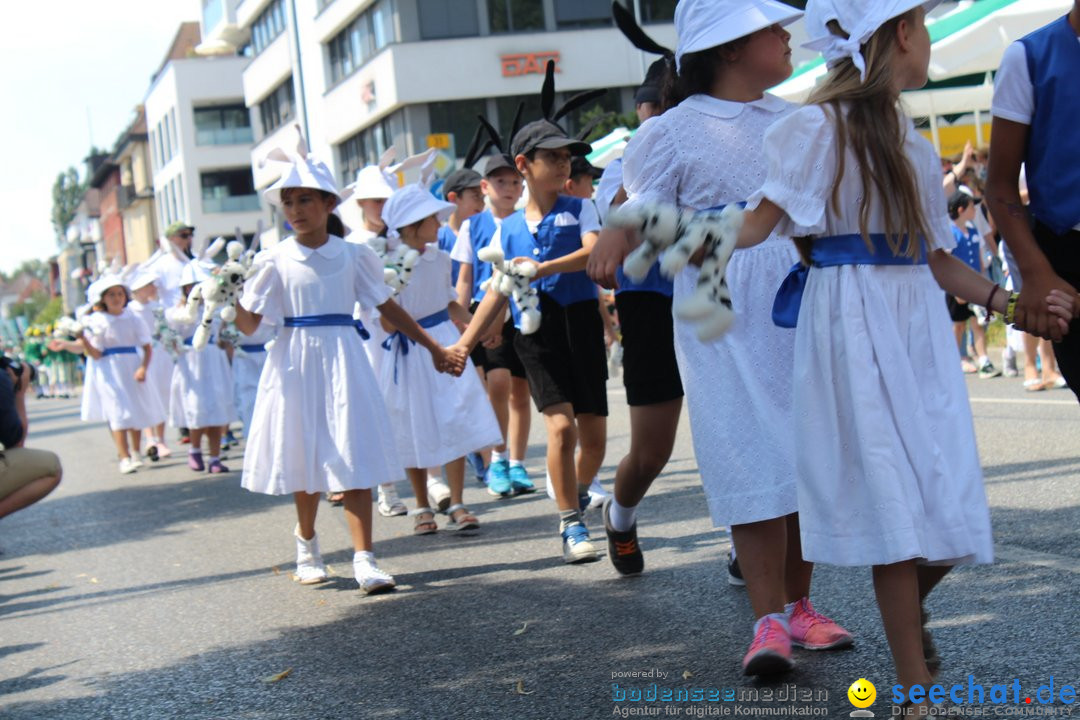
(202, 383)
(320, 423)
(146, 306)
(706, 153)
(248, 359)
(888, 470)
(115, 389)
(436, 419)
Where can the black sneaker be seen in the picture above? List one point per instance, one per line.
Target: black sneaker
(622, 547)
(734, 574)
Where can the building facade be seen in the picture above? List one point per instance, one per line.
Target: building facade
(136, 198)
(200, 138)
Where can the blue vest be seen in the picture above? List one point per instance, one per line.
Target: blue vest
(482, 229)
(653, 282)
(1052, 161)
(549, 243)
(447, 238)
(967, 247)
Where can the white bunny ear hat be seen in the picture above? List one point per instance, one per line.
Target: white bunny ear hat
(379, 182)
(108, 280)
(414, 202)
(300, 169)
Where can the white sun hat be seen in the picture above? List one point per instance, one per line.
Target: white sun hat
(96, 289)
(142, 278)
(860, 19)
(411, 204)
(300, 169)
(703, 24)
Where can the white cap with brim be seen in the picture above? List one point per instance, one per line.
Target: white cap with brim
(860, 19)
(97, 289)
(704, 24)
(300, 169)
(412, 204)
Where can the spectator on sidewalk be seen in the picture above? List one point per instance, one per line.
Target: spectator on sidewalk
(26, 476)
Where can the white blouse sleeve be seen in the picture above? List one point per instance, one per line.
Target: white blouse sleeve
(652, 169)
(142, 331)
(264, 295)
(801, 157)
(370, 288)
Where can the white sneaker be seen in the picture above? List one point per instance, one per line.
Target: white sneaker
(597, 494)
(390, 504)
(370, 578)
(438, 493)
(136, 460)
(127, 467)
(310, 569)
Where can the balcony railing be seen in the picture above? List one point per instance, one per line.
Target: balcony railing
(225, 136)
(231, 203)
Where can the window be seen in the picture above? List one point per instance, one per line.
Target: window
(449, 18)
(155, 159)
(655, 11)
(229, 191)
(180, 203)
(369, 33)
(582, 14)
(174, 147)
(515, 15)
(223, 125)
(172, 200)
(279, 107)
(457, 118)
(267, 27)
(365, 147)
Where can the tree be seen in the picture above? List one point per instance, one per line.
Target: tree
(68, 191)
(51, 312)
(611, 121)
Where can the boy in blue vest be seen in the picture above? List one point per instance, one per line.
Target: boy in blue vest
(496, 360)
(1036, 103)
(462, 188)
(969, 249)
(564, 359)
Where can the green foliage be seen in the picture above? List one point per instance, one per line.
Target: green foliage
(30, 307)
(611, 121)
(67, 191)
(50, 313)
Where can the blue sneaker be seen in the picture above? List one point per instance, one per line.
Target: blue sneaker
(498, 478)
(519, 480)
(477, 464)
(576, 545)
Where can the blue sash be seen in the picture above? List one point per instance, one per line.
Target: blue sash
(190, 340)
(337, 320)
(126, 350)
(832, 251)
(253, 348)
(398, 342)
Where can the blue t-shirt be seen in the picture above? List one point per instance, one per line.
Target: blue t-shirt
(447, 238)
(967, 247)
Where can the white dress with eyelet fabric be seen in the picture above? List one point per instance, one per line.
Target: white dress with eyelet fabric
(435, 417)
(111, 393)
(885, 443)
(247, 368)
(202, 381)
(703, 154)
(160, 371)
(320, 422)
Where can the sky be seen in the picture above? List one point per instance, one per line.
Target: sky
(63, 60)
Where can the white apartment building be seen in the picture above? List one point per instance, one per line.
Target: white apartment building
(200, 135)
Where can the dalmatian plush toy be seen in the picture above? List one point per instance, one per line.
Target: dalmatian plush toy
(220, 291)
(514, 280)
(398, 263)
(677, 235)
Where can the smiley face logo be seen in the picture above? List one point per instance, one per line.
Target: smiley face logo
(862, 693)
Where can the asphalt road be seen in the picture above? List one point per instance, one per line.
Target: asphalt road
(167, 594)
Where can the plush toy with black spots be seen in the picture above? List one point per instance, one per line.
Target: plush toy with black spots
(514, 280)
(218, 293)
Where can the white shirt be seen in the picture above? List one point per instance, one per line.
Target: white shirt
(588, 219)
(463, 250)
(123, 330)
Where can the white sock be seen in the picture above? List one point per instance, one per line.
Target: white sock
(194, 451)
(434, 475)
(214, 459)
(621, 518)
(983, 360)
(517, 463)
(364, 556)
(497, 456)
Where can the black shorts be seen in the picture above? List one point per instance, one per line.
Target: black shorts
(650, 372)
(565, 359)
(1063, 254)
(958, 311)
(503, 357)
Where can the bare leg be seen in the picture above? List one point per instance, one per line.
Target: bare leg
(592, 437)
(455, 478)
(652, 438)
(562, 439)
(762, 547)
(136, 441)
(358, 516)
(28, 494)
(120, 438)
(929, 577)
(307, 506)
(213, 438)
(498, 388)
(520, 418)
(418, 480)
(798, 571)
(196, 435)
(897, 590)
(1031, 349)
(979, 333)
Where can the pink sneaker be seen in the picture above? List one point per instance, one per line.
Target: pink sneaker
(813, 631)
(770, 653)
(195, 462)
(216, 467)
(163, 450)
